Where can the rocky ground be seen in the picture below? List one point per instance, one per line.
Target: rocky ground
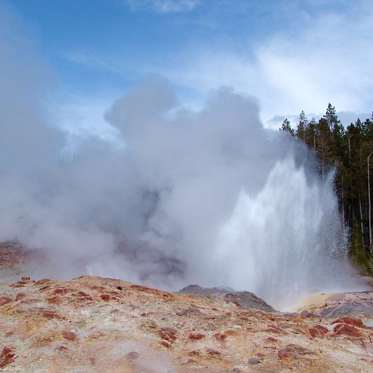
(92, 324)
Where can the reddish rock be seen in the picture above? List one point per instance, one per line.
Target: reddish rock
(284, 354)
(196, 336)
(230, 333)
(4, 300)
(163, 294)
(54, 300)
(166, 344)
(318, 331)
(194, 353)
(349, 321)
(97, 288)
(221, 337)
(168, 334)
(105, 297)
(293, 351)
(82, 294)
(7, 356)
(61, 291)
(168, 296)
(271, 340)
(20, 296)
(345, 329)
(70, 336)
(213, 352)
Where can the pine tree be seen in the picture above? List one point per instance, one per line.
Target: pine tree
(331, 116)
(345, 150)
(311, 133)
(286, 127)
(301, 128)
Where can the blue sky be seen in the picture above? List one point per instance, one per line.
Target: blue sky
(290, 54)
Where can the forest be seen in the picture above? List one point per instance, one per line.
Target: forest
(349, 152)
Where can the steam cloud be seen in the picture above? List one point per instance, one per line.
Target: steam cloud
(208, 197)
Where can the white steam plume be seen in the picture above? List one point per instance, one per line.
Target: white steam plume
(208, 197)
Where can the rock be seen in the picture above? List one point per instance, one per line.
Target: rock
(293, 351)
(190, 311)
(70, 336)
(350, 321)
(253, 361)
(20, 296)
(140, 329)
(242, 299)
(7, 356)
(4, 300)
(345, 329)
(105, 297)
(245, 299)
(168, 334)
(199, 290)
(196, 336)
(50, 314)
(318, 331)
(271, 340)
(353, 304)
(212, 352)
(221, 337)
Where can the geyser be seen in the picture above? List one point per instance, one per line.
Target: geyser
(289, 237)
(208, 197)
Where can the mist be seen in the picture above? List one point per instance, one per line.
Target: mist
(208, 196)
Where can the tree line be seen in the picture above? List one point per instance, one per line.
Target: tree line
(349, 151)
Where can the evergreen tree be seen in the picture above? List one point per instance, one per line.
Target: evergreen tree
(286, 127)
(331, 116)
(301, 128)
(311, 133)
(344, 150)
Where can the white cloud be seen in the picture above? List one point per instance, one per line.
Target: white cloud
(164, 6)
(317, 60)
(323, 56)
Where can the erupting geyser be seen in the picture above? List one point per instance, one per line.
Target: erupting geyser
(286, 241)
(208, 197)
